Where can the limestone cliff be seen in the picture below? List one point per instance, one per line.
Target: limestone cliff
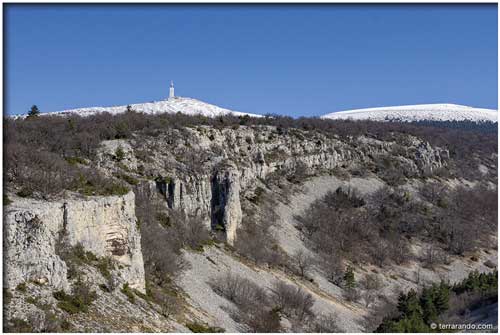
(226, 208)
(190, 166)
(105, 226)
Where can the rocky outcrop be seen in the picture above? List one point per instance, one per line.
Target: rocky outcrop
(428, 158)
(190, 164)
(116, 151)
(226, 208)
(191, 194)
(106, 226)
(31, 231)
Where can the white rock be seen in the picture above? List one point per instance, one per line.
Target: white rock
(106, 226)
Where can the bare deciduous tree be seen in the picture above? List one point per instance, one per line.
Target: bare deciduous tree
(325, 323)
(292, 300)
(302, 261)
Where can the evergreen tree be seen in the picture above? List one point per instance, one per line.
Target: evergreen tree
(416, 314)
(430, 312)
(409, 304)
(34, 111)
(350, 293)
(349, 280)
(414, 324)
(388, 325)
(441, 297)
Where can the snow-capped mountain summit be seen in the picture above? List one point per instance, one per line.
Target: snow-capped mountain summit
(188, 106)
(431, 112)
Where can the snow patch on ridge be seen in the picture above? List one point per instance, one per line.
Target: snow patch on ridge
(183, 105)
(431, 112)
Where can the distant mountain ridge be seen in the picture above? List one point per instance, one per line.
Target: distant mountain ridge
(184, 105)
(409, 113)
(412, 113)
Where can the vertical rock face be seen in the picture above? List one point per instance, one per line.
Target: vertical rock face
(106, 226)
(226, 208)
(191, 194)
(31, 230)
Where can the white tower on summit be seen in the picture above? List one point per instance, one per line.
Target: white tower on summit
(171, 94)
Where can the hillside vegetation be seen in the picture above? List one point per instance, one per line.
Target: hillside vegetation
(237, 223)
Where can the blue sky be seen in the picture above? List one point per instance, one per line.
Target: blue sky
(294, 60)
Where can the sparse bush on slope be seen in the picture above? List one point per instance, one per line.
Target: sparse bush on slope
(337, 228)
(292, 301)
(164, 233)
(239, 290)
(253, 307)
(261, 309)
(342, 226)
(77, 302)
(255, 239)
(163, 236)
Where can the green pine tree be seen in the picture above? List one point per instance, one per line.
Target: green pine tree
(349, 280)
(34, 111)
(430, 312)
(441, 297)
(415, 324)
(409, 304)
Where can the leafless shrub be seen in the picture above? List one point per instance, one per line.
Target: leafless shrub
(258, 243)
(370, 284)
(379, 252)
(169, 303)
(432, 256)
(434, 193)
(160, 256)
(292, 300)
(391, 170)
(399, 250)
(461, 305)
(362, 170)
(336, 224)
(239, 290)
(163, 237)
(352, 294)
(262, 320)
(333, 267)
(381, 231)
(325, 323)
(255, 240)
(253, 304)
(468, 218)
(302, 261)
(299, 174)
(191, 231)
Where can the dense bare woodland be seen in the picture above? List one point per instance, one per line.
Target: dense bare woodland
(42, 153)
